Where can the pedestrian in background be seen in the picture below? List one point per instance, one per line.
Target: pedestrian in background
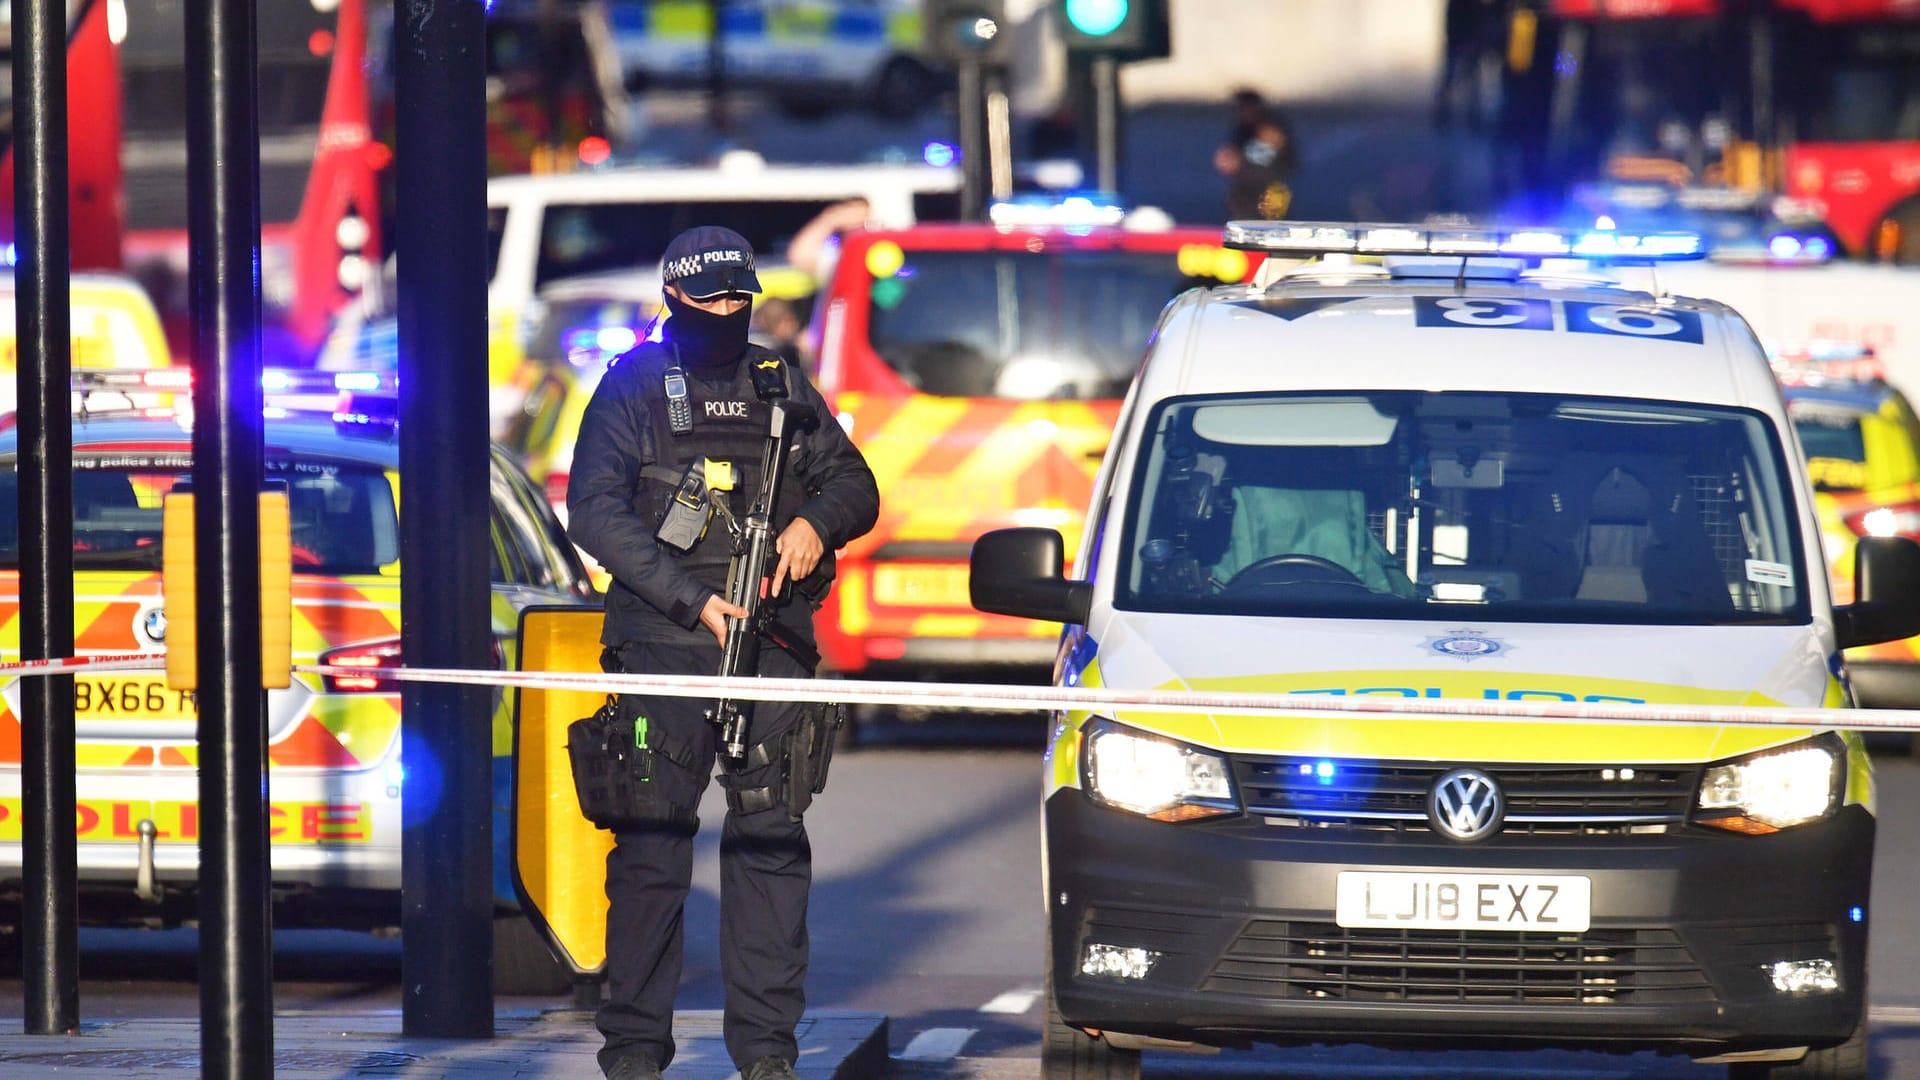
(1256, 160)
(701, 394)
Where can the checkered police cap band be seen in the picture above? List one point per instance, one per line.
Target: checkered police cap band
(709, 261)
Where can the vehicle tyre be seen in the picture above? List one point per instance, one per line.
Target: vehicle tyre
(1068, 1053)
(903, 88)
(1847, 1061)
(522, 962)
(1897, 238)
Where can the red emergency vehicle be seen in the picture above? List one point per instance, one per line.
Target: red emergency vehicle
(980, 369)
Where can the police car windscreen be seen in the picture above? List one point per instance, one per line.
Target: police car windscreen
(1031, 325)
(1835, 439)
(342, 517)
(1514, 507)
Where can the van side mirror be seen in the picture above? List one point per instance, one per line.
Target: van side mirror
(1019, 572)
(1886, 589)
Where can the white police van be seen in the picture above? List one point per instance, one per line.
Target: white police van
(1454, 474)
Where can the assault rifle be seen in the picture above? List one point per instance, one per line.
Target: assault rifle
(746, 578)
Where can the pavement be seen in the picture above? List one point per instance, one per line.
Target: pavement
(528, 1044)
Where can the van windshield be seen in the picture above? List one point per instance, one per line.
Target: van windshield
(1016, 324)
(1509, 507)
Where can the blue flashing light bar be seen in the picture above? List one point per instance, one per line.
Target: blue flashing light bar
(1083, 209)
(272, 380)
(1322, 238)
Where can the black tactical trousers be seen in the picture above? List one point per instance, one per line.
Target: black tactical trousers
(766, 866)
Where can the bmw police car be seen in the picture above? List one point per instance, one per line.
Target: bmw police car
(1454, 478)
(333, 743)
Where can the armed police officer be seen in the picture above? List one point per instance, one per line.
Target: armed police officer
(671, 446)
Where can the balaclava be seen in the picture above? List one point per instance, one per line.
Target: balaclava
(707, 344)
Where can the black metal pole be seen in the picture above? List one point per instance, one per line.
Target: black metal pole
(970, 100)
(1106, 122)
(51, 945)
(223, 235)
(446, 918)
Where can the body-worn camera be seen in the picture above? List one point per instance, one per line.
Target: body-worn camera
(692, 505)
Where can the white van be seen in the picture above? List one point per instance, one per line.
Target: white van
(1454, 478)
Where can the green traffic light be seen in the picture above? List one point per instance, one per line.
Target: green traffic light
(1096, 18)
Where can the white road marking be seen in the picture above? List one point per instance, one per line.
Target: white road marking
(1012, 1003)
(1894, 1014)
(936, 1044)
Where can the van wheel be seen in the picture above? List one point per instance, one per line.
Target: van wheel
(1847, 1061)
(1068, 1053)
(522, 962)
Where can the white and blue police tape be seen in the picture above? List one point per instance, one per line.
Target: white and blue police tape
(1002, 698)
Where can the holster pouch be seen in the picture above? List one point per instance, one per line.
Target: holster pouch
(809, 752)
(628, 774)
(802, 756)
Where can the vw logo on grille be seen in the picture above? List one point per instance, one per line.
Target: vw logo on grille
(1465, 804)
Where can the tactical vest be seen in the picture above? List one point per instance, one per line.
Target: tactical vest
(729, 424)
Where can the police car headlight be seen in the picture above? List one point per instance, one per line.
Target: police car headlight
(1154, 777)
(1774, 789)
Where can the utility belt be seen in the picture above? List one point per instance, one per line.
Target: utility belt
(629, 772)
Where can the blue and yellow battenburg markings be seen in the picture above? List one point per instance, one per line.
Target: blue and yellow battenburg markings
(898, 25)
(1445, 738)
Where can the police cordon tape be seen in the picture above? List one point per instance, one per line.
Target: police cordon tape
(1001, 698)
(998, 697)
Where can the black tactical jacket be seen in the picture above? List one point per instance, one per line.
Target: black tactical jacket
(612, 509)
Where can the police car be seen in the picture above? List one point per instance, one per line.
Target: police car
(333, 743)
(1448, 476)
(1861, 439)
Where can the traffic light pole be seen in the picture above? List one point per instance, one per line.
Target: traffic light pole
(970, 95)
(999, 134)
(1106, 122)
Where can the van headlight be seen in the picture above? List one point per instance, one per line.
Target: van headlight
(1774, 789)
(1154, 777)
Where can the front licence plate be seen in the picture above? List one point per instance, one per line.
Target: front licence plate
(1560, 903)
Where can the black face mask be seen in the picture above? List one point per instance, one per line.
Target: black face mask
(706, 343)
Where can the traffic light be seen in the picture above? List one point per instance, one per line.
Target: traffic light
(351, 234)
(1127, 29)
(967, 31)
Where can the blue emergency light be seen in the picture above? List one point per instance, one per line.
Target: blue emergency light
(1073, 209)
(1329, 238)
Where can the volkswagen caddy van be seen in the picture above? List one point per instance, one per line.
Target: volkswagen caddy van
(1471, 479)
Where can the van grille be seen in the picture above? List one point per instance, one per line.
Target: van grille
(1321, 961)
(1540, 799)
